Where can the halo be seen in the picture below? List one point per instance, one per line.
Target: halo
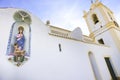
(21, 28)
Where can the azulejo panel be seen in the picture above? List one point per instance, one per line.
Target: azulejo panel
(18, 49)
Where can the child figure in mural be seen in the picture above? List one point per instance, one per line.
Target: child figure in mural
(19, 51)
(18, 54)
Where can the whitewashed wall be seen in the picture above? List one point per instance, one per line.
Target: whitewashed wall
(108, 40)
(46, 62)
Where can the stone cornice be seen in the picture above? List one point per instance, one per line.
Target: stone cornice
(105, 28)
(77, 40)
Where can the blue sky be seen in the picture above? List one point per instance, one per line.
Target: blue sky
(66, 14)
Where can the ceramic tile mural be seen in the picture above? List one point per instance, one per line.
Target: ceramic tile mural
(18, 50)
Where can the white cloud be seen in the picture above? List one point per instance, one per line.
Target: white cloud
(68, 17)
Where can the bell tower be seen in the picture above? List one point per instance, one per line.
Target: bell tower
(100, 21)
(104, 30)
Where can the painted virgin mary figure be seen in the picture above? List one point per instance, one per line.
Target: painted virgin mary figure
(19, 51)
(20, 39)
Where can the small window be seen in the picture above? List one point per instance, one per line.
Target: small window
(101, 41)
(116, 24)
(60, 47)
(95, 18)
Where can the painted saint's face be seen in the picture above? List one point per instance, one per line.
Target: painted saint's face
(21, 31)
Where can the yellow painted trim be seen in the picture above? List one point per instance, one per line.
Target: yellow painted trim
(59, 28)
(106, 55)
(90, 30)
(105, 28)
(78, 40)
(104, 15)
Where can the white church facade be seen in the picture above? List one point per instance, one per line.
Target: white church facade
(33, 50)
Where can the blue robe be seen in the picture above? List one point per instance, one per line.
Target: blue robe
(20, 42)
